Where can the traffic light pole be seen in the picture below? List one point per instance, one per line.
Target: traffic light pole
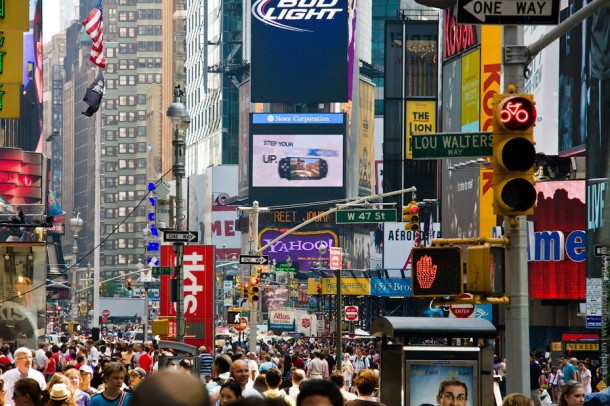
(517, 311)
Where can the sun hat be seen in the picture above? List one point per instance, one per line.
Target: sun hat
(87, 369)
(60, 392)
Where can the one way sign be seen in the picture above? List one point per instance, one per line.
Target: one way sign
(180, 236)
(508, 12)
(254, 259)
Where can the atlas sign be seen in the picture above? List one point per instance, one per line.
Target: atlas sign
(294, 10)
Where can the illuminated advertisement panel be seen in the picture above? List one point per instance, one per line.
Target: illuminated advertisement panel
(297, 157)
(299, 51)
(556, 242)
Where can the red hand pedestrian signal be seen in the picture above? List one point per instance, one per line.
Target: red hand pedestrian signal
(426, 272)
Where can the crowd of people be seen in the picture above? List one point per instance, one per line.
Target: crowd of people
(283, 373)
(109, 373)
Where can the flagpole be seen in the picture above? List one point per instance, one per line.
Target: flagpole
(97, 221)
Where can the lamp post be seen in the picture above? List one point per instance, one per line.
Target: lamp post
(76, 225)
(178, 116)
(146, 279)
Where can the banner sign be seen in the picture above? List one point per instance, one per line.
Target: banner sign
(391, 287)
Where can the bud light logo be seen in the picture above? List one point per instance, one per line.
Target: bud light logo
(288, 13)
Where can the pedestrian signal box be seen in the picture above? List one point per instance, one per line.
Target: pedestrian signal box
(233, 317)
(514, 154)
(436, 271)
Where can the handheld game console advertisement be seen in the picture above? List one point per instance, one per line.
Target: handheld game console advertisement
(297, 160)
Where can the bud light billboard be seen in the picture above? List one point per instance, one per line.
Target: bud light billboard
(299, 51)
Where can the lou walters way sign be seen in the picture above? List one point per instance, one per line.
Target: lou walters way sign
(451, 145)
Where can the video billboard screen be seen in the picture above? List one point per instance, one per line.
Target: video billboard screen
(299, 51)
(297, 157)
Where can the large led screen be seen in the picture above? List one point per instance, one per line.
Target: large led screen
(297, 157)
(299, 51)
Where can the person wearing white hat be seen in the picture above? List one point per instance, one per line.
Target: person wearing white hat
(60, 395)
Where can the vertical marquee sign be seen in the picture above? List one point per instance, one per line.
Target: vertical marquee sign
(14, 21)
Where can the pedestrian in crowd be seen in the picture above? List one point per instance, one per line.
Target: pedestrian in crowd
(60, 395)
(40, 357)
(113, 394)
(330, 360)
(27, 392)
(206, 361)
(170, 389)
(49, 365)
(536, 377)
(500, 370)
(348, 370)
(230, 392)
(450, 391)
(569, 370)
(185, 365)
(318, 392)
(252, 366)
(360, 361)
(146, 360)
(81, 397)
(296, 377)
(316, 366)
(273, 380)
(127, 357)
(555, 379)
(584, 375)
(574, 362)
(572, 394)
(339, 380)
(241, 375)
(260, 384)
(366, 383)
(55, 379)
(86, 381)
(23, 368)
(517, 399)
(136, 377)
(92, 354)
(268, 364)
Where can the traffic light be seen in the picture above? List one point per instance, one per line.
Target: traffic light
(485, 269)
(253, 289)
(100, 288)
(259, 271)
(242, 288)
(319, 288)
(436, 271)
(410, 215)
(233, 317)
(160, 327)
(128, 283)
(514, 154)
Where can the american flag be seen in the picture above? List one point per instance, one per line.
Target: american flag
(94, 27)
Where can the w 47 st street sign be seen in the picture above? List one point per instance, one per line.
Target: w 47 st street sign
(508, 12)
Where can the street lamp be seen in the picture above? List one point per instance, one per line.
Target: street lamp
(180, 120)
(76, 225)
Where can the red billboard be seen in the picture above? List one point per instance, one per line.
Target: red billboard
(198, 271)
(556, 242)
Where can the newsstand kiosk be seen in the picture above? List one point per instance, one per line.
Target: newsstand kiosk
(410, 374)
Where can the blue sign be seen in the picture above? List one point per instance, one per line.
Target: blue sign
(391, 287)
(594, 322)
(289, 118)
(299, 51)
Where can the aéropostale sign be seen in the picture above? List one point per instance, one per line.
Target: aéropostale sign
(299, 51)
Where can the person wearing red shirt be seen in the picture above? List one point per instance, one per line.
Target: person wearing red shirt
(146, 360)
(4, 359)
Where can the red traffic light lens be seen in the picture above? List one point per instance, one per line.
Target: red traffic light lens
(517, 113)
(414, 209)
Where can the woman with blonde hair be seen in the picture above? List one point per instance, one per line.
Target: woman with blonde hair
(517, 399)
(61, 395)
(572, 394)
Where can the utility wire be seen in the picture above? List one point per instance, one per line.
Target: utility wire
(78, 261)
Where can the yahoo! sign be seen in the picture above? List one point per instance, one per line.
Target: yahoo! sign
(287, 12)
(554, 246)
(301, 247)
